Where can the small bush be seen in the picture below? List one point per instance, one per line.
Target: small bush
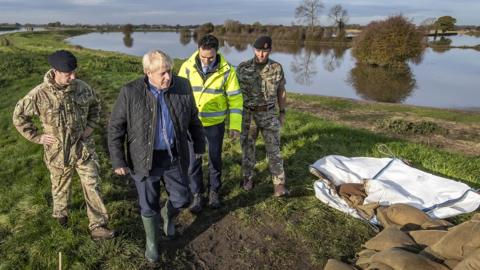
(400, 126)
(4, 42)
(389, 42)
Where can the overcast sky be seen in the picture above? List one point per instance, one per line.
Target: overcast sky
(247, 11)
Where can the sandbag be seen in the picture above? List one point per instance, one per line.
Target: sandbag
(459, 241)
(427, 252)
(436, 224)
(378, 266)
(347, 190)
(364, 257)
(333, 264)
(451, 263)
(389, 238)
(427, 237)
(407, 217)
(472, 262)
(400, 259)
(367, 211)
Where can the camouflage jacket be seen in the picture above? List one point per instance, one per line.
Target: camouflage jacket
(63, 113)
(260, 83)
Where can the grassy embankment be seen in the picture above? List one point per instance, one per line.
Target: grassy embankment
(254, 230)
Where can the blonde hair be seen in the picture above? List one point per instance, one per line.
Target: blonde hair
(156, 59)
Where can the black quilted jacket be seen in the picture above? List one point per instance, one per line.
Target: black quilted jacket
(132, 122)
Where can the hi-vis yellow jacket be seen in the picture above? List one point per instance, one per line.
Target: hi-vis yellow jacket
(219, 96)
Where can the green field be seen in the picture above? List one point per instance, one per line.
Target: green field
(253, 230)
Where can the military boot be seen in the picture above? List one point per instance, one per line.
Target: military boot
(168, 214)
(150, 225)
(102, 233)
(62, 221)
(280, 190)
(247, 184)
(214, 200)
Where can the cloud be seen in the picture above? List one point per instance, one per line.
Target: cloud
(217, 11)
(88, 2)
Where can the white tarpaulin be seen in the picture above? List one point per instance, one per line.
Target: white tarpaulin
(389, 181)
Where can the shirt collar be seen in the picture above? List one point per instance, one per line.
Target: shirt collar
(208, 67)
(154, 89)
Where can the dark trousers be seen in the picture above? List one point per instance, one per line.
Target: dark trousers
(214, 135)
(148, 187)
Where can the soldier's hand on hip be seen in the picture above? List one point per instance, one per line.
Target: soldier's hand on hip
(198, 156)
(47, 139)
(234, 134)
(281, 119)
(122, 171)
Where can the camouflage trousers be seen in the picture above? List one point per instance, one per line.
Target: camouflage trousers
(61, 178)
(268, 124)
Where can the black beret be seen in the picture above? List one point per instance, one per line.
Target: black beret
(263, 43)
(63, 61)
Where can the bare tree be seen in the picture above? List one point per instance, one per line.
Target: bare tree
(428, 25)
(309, 12)
(339, 16)
(428, 22)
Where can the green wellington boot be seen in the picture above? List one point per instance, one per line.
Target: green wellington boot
(168, 214)
(151, 231)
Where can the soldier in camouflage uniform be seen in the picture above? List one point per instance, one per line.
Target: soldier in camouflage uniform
(68, 110)
(263, 85)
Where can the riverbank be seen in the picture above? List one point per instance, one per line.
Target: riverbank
(452, 130)
(253, 230)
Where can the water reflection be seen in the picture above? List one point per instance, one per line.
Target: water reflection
(333, 58)
(382, 84)
(127, 40)
(303, 67)
(127, 35)
(239, 45)
(419, 58)
(185, 37)
(441, 45)
(304, 63)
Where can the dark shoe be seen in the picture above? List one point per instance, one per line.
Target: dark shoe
(62, 221)
(150, 224)
(196, 205)
(213, 200)
(102, 233)
(280, 190)
(168, 222)
(247, 184)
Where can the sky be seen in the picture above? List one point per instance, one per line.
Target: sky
(185, 12)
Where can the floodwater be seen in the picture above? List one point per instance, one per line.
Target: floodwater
(442, 78)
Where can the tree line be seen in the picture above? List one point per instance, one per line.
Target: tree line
(306, 29)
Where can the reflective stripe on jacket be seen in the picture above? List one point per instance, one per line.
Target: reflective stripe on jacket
(219, 96)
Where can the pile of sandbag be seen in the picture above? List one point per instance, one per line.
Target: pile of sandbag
(413, 240)
(354, 185)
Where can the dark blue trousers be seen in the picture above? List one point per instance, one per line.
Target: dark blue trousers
(214, 135)
(176, 185)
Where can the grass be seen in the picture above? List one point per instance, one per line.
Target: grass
(401, 126)
(342, 104)
(30, 238)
